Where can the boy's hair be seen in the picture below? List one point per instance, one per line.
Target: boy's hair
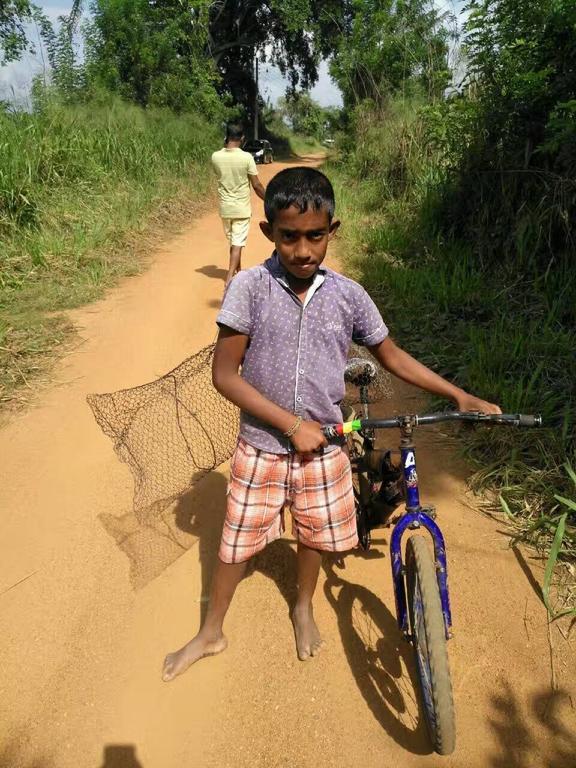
(302, 187)
(234, 131)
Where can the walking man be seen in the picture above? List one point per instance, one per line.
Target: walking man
(236, 171)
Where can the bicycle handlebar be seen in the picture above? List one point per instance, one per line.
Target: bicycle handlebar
(414, 420)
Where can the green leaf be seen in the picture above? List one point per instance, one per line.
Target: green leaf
(570, 471)
(567, 502)
(552, 558)
(505, 507)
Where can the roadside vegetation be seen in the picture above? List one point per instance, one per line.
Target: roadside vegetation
(80, 187)
(463, 213)
(117, 141)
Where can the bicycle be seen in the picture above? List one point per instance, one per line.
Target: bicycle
(421, 581)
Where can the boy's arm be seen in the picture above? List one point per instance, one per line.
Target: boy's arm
(228, 356)
(408, 369)
(257, 186)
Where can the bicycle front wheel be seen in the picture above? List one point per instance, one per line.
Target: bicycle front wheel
(429, 641)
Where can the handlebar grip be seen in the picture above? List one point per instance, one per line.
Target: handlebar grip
(529, 421)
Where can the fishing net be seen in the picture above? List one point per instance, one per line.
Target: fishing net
(173, 431)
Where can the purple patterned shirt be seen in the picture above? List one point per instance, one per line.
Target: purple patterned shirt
(297, 351)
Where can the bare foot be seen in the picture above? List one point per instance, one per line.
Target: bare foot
(179, 661)
(308, 640)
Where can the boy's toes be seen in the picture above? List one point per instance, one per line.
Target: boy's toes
(168, 668)
(304, 654)
(316, 648)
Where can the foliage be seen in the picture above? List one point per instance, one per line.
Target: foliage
(134, 41)
(76, 183)
(308, 118)
(14, 15)
(391, 45)
(152, 53)
(509, 141)
(501, 327)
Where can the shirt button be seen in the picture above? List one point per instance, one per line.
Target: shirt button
(298, 399)
(301, 371)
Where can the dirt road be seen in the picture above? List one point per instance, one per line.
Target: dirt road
(91, 601)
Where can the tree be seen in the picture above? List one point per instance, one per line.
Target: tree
(390, 45)
(135, 40)
(14, 15)
(153, 52)
(306, 117)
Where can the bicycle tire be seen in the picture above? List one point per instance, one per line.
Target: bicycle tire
(429, 643)
(361, 487)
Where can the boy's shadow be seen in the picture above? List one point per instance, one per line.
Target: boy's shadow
(277, 561)
(372, 641)
(211, 270)
(120, 756)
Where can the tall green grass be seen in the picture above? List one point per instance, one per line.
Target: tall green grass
(79, 186)
(504, 330)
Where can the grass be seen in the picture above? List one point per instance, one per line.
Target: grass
(81, 189)
(505, 331)
(305, 145)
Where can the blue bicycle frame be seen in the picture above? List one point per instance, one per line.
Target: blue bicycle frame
(416, 516)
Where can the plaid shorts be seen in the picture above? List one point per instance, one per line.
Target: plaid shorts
(317, 489)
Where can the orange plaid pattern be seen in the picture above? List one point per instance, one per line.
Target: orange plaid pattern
(317, 489)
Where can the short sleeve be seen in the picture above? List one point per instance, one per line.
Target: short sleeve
(369, 329)
(236, 309)
(252, 170)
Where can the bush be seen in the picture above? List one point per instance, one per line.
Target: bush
(75, 181)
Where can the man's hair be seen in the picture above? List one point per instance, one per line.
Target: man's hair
(302, 187)
(234, 131)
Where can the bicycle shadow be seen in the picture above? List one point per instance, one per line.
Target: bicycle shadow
(380, 660)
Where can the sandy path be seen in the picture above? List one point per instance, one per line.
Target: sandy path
(90, 601)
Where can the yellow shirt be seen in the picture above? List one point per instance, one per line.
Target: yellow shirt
(233, 166)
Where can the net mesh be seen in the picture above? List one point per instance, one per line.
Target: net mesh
(380, 387)
(173, 431)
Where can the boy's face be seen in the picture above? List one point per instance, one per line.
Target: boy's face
(301, 239)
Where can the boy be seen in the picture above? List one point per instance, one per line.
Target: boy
(236, 171)
(289, 324)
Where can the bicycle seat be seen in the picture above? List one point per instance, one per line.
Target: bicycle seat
(360, 371)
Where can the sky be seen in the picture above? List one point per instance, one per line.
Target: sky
(16, 77)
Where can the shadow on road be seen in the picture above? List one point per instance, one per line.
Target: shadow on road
(513, 727)
(195, 519)
(380, 660)
(120, 756)
(211, 270)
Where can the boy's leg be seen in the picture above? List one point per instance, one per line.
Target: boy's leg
(252, 519)
(308, 640)
(235, 262)
(210, 639)
(325, 518)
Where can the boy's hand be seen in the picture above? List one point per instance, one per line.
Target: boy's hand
(466, 402)
(309, 437)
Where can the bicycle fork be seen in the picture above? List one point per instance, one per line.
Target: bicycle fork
(416, 516)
